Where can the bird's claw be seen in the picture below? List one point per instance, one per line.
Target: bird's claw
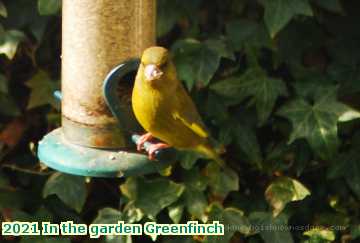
(153, 148)
(143, 139)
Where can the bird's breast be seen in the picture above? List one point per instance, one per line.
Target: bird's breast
(147, 104)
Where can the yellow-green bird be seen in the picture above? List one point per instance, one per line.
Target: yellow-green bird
(165, 110)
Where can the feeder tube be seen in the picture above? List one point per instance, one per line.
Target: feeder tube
(96, 36)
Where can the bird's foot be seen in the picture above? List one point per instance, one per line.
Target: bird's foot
(143, 139)
(153, 148)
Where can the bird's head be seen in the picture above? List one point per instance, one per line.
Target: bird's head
(158, 70)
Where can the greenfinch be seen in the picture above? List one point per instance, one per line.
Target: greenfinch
(165, 110)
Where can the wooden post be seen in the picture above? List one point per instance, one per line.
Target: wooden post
(96, 36)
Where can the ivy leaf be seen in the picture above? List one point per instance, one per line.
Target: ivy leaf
(264, 220)
(247, 141)
(194, 179)
(42, 214)
(108, 216)
(221, 48)
(176, 212)
(193, 196)
(303, 156)
(171, 12)
(255, 83)
(221, 181)
(10, 41)
(196, 202)
(188, 158)
(42, 90)
(318, 235)
(167, 16)
(49, 7)
(347, 165)
(318, 122)
(132, 213)
(196, 63)
(216, 108)
(311, 85)
(330, 5)
(355, 231)
(20, 13)
(284, 190)
(70, 189)
(233, 220)
(111, 216)
(278, 13)
(244, 32)
(3, 10)
(225, 135)
(152, 196)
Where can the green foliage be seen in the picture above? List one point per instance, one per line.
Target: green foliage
(254, 83)
(151, 196)
(221, 181)
(199, 72)
(272, 230)
(347, 165)
(194, 195)
(111, 216)
(233, 220)
(49, 7)
(277, 83)
(3, 11)
(330, 5)
(278, 13)
(320, 235)
(70, 189)
(284, 190)
(42, 90)
(9, 42)
(318, 122)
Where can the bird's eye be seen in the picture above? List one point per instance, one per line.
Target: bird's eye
(163, 65)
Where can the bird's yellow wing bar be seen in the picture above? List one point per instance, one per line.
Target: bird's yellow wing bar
(197, 128)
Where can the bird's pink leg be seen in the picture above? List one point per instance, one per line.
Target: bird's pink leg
(144, 138)
(155, 147)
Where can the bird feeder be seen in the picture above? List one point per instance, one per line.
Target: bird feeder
(101, 43)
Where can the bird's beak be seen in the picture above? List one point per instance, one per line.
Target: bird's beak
(152, 72)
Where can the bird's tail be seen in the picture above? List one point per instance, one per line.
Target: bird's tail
(210, 153)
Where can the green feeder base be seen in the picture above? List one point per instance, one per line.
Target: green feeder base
(57, 153)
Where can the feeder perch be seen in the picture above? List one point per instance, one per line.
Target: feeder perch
(98, 126)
